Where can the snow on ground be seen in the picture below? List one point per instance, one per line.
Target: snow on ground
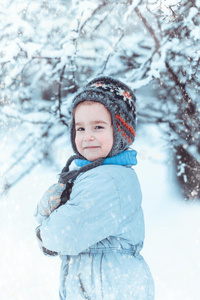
(172, 243)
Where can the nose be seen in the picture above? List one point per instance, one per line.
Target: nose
(88, 136)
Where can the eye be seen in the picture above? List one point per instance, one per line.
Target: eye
(80, 129)
(99, 127)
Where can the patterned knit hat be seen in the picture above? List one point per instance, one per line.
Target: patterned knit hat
(120, 102)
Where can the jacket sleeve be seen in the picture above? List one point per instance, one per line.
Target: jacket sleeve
(90, 215)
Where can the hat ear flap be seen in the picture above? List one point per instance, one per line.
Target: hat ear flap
(73, 136)
(124, 137)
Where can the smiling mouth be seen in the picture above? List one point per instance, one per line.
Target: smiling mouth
(91, 147)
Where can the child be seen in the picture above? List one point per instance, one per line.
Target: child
(93, 217)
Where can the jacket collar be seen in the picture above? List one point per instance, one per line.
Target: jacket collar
(123, 159)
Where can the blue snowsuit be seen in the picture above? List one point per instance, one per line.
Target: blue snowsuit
(98, 234)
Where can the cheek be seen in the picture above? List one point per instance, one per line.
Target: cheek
(111, 137)
(109, 140)
(77, 141)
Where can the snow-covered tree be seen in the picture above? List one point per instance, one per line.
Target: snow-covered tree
(176, 65)
(51, 48)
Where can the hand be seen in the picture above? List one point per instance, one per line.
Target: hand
(50, 201)
(42, 248)
(54, 196)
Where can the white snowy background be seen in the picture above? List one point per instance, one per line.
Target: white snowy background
(172, 243)
(39, 41)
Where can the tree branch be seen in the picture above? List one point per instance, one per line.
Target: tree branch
(92, 15)
(149, 28)
(108, 57)
(191, 105)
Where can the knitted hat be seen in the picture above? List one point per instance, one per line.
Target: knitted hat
(120, 102)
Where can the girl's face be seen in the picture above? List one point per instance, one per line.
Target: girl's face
(94, 131)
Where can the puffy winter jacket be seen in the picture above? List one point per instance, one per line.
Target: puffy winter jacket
(98, 234)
